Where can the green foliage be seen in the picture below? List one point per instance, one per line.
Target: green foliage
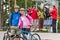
(59, 26)
(59, 16)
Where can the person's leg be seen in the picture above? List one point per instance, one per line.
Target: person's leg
(12, 32)
(40, 24)
(24, 33)
(42, 21)
(54, 25)
(16, 32)
(27, 35)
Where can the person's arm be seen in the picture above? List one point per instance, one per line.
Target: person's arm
(19, 23)
(29, 12)
(10, 20)
(31, 19)
(51, 12)
(38, 14)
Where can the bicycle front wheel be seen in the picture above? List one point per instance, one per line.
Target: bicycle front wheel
(6, 38)
(35, 37)
(19, 38)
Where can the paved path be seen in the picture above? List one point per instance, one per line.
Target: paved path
(44, 36)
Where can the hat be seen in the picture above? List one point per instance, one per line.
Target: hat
(22, 9)
(16, 6)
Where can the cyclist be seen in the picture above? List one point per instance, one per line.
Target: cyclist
(24, 21)
(14, 18)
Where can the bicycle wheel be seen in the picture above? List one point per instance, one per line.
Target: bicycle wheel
(19, 38)
(35, 37)
(33, 28)
(6, 38)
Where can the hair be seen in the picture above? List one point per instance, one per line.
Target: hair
(33, 6)
(54, 6)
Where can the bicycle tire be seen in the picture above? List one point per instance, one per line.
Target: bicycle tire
(19, 38)
(33, 35)
(33, 28)
(6, 38)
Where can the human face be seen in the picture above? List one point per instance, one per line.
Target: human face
(34, 7)
(16, 9)
(22, 12)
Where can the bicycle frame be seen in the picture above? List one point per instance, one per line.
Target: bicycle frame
(22, 32)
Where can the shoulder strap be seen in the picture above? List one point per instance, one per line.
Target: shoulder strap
(28, 18)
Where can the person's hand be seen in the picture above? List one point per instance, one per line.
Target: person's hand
(31, 24)
(26, 14)
(18, 27)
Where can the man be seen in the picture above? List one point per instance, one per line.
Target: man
(53, 13)
(14, 19)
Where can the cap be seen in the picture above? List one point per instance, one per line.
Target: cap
(16, 6)
(22, 9)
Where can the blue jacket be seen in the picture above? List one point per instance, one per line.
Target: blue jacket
(14, 18)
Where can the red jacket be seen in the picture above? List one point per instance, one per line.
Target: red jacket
(54, 13)
(33, 13)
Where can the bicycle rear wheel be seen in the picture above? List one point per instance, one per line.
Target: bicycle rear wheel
(35, 37)
(33, 28)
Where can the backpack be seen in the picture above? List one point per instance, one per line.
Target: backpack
(28, 18)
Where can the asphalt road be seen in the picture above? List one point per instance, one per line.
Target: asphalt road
(44, 36)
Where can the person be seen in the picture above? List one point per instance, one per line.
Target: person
(33, 13)
(14, 19)
(29, 11)
(46, 10)
(54, 13)
(24, 22)
(41, 19)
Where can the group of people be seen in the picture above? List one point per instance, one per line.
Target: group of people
(22, 19)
